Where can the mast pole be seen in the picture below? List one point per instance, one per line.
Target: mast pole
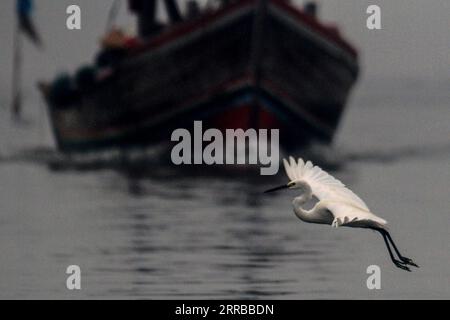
(16, 104)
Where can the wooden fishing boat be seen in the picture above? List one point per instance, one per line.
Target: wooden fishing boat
(251, 64)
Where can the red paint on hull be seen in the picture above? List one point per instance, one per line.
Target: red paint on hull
(243, 117)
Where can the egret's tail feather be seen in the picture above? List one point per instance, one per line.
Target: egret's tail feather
(337, 222)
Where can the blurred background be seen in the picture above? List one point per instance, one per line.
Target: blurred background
(171, 235)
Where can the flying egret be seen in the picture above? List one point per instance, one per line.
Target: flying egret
(337, 205)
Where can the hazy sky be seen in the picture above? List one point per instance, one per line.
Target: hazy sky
(414, 41)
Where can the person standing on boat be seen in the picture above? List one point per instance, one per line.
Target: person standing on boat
(146, 13)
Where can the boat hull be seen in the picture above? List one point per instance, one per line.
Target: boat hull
(237, 68)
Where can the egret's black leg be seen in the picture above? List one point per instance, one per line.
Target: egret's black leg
(397, 263)
(402, 258)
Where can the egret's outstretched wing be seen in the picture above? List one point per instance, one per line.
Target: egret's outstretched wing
(323, 185)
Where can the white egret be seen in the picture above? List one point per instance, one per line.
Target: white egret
(337, 205)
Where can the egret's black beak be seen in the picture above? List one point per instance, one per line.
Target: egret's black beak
(286, 186)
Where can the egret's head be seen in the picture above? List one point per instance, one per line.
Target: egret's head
(295, 185)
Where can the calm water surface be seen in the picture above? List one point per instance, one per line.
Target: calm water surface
(169, 236)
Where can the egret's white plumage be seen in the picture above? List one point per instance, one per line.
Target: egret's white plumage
(337, 205)
(346, 208)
